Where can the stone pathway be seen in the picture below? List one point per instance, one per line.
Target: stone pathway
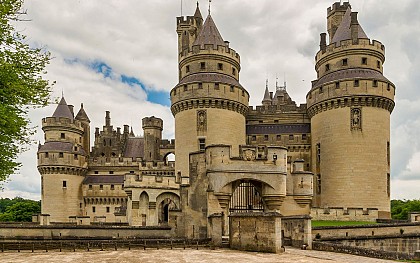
(291, 255)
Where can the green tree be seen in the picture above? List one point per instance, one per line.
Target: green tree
(401, 208)
(22, 86)
(21, 211)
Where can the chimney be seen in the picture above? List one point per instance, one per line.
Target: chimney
(354, 27)
(107, 119)
(71, 108)
(323, 42)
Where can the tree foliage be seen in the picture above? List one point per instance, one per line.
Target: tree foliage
(401, 208)
(22, 86)
(18, 209)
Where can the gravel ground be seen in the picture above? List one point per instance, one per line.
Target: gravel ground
(179, 255)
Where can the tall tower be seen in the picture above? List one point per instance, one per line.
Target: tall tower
(208, 103)
(350, 105)
(152, 130)
(62, 164)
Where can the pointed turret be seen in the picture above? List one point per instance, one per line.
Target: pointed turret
(63, 110)
(267, 99)
(81, 115)
(84, 119)
(209, 34)
(132, 133)
(197, 13)
(348, 27)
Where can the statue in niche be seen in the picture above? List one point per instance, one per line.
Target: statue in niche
(201, 120)
(356, 119)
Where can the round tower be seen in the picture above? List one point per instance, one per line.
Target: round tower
(62, 164)
(152, 130)
(208, 103)
(350, 105)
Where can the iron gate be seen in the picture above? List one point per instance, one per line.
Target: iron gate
(246, 198)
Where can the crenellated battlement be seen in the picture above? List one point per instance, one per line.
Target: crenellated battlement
(152, 123)
(185, 20)
(363, 45)
(338, 6)
(114, 161)
(61, 122)
(209, 49)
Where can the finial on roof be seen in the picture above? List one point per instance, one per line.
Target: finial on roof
(209, 6)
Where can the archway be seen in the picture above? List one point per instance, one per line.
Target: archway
(246, 197)
(166, 202)
(169, 158)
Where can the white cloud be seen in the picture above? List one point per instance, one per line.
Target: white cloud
(138, 39)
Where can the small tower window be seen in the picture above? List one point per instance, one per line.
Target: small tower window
(111, 172)
(327, 67)
(96, 172)
(112, 187)
(107, 209)
(337, 85)
(291, 137)
(233, 71)
(64, 184)
(93, 209)
(345, 62)
(187, 68)
(220, 66)
(318, 153)
(202, 144)
(63, 135)
(232, 88)
(46, 155)
(254, 138)
(378, 64)
(320, 90)
(388, 87)
(304, 136)
(75, 148)
(200, 85)
(364, 61)
(278, 137)
(76, 157)
(203, 65)
(185, 87)
(266, 137)
(243, 93)
(60, 155)
(356, 83)
(375, 83)
(90, 187)
(101, 187)
(216, 86)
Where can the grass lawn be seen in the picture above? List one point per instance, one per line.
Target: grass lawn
(340, 223)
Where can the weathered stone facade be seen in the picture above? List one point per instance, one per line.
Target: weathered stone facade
(231, 157)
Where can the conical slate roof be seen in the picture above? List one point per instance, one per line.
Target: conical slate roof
(63, 110)
(197, 12)
(81, 115)
(209, 34)
(266, 95)
(344, 30)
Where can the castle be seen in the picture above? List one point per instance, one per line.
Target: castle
(328, 158)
